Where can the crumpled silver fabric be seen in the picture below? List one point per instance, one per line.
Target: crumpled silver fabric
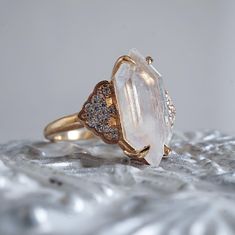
(92, 188)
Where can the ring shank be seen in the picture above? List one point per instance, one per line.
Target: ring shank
(67, 128)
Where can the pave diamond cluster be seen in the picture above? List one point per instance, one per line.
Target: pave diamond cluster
(171, 109)
(100, 114)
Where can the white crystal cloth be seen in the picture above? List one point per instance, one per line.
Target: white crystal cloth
(92, 188)
(142, 106)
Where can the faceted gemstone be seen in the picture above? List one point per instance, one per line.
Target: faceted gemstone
(142, 103)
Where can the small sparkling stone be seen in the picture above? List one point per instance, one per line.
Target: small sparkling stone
(103, 117)
(106, 128)
(103, 104)
(115, 137)
(96, 107)
(106, 91)
(91, 123)
(171, 109)
(112, 109)
(99, 128)
(96, 99)
(114, 133)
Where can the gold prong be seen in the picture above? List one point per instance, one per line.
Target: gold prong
(167, 151)
(149, 59)
(120, 61)
(138, 153)
(144, 151)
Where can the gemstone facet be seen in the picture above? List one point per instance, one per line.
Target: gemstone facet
(144, 107)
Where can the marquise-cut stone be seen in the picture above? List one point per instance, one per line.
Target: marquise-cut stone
(142, 104)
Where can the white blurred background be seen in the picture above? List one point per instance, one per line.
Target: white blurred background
(52, 53)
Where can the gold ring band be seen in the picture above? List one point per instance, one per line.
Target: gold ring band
(67, 128)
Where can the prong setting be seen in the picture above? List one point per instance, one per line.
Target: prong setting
(167, 151)
(138, 153)
(149, 59)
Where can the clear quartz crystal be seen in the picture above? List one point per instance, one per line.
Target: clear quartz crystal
(143, 107)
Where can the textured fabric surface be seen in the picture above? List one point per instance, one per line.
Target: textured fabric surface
(92, 188)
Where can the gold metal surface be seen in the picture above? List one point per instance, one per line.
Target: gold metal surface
(112, 122)
(67, 128)
(120, 61)
(109, 101)
(138, 153)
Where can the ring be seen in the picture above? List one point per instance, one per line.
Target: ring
(132, 110)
